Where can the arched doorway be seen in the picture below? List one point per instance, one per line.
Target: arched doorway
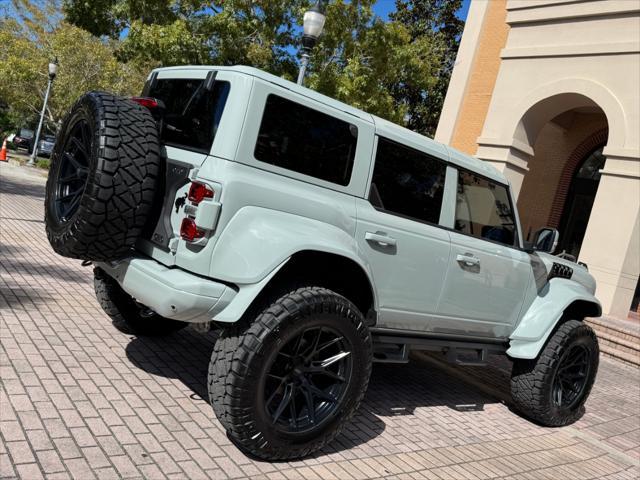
(579, 202)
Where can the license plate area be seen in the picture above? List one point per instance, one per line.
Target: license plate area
(176, 176)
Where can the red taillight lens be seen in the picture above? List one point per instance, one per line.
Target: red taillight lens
(199, 191)
(189, 231)
(146, 101)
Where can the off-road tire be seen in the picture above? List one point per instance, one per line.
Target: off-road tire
(532, 380)
(240, 359)
(121, 179)
(125, 313)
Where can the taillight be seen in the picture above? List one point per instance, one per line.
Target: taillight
(199, 191)
(189, 231)
(147, 102)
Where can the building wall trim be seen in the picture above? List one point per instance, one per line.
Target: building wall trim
(561, 11)
(584, 50)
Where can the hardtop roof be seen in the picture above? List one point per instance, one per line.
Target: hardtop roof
(383, 127)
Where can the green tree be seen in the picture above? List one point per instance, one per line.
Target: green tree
(436, 19)
(34, 35)
(391, 69)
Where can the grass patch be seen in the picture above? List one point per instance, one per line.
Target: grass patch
(43, 163)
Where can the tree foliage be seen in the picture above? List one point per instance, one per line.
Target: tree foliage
(438, 17)
(31, 37)
(397, 69)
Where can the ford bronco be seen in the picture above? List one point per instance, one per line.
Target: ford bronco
(317, 239)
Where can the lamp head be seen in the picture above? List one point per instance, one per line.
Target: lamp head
(53, 68)
(313, 21)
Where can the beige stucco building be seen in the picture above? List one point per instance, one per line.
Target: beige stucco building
(548, 91)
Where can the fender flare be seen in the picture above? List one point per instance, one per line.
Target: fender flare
(555, 298)
(257, 242)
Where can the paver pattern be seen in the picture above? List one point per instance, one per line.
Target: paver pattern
(80, 399)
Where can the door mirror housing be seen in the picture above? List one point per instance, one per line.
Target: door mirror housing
(546, 240)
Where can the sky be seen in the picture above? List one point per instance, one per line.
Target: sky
(383, 7)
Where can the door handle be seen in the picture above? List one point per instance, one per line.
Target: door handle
(380, 238)
(468, 259)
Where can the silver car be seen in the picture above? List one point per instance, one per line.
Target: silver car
(45, 145)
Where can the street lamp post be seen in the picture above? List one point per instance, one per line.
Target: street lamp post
(53, 70)
(313, 24)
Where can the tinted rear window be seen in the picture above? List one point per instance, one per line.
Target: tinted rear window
(307, 141)
(407, 182)
(192, 113)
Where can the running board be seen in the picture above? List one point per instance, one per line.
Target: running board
(396, 349)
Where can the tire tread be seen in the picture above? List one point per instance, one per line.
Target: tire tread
(531, 380)
(238, 349)
(121, 189)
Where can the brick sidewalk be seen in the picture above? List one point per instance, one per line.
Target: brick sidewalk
(80, 399)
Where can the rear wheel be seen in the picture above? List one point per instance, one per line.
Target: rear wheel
(128, 315)
(553, 388)
(285, 385)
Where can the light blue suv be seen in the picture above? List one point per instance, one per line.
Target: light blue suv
(317, 239)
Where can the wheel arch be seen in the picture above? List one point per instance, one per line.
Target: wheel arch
(336, 272)
(559, 300)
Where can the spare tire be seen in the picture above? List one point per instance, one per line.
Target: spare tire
(105, 169)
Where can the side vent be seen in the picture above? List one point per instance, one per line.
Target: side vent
(559, 270)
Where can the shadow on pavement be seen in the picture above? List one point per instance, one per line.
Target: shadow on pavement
(20, 298)
(15, 259)
(17, 186)
(394, 390)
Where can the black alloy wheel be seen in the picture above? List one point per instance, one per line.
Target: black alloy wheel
(72, 176)
(307, 380)
(552, 389)
(285, 382)
(571, 377)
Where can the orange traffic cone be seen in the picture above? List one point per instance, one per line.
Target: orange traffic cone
(3, 152)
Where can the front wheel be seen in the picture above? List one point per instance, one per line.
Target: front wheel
(285, 385)
(553, 388)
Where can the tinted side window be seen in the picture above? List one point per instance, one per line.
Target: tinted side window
(407, 182)
(306, 141)
(483, 209)
(192, 113)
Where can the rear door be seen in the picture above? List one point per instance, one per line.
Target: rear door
(488, 273)
(398, 233)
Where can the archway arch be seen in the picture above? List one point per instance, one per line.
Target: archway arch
(591, 143)
(539, 107)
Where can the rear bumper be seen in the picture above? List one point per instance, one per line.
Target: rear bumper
(170, 292)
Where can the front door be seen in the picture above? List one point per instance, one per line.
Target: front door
(398, 234)
(487, 274)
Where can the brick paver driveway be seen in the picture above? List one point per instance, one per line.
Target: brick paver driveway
(81, 399)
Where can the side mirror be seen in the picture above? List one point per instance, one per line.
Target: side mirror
(546, 240)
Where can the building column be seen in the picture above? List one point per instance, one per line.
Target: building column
(511, 160)
(611, 247)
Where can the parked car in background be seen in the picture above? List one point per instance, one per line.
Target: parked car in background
(24, 139)
(45, 145)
